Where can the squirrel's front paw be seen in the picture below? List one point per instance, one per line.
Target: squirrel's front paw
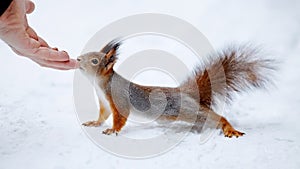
(110, 131)
(92, 123)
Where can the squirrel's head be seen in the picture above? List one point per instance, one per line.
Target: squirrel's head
(99, 63)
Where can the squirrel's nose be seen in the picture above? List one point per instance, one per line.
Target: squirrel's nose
(78, 59)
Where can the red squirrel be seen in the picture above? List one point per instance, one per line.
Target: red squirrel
(242, 69)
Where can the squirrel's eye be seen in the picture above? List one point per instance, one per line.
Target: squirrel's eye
(95, 61)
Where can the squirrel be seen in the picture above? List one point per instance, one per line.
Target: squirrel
(242, 69)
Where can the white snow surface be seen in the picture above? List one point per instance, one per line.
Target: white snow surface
(39, 126)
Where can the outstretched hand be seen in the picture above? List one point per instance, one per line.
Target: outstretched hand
(24, 41)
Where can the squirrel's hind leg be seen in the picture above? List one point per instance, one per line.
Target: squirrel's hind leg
(103, 115)
(228, 130)
(222, 123)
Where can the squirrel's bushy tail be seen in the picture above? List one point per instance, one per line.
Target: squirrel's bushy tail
(232, 70)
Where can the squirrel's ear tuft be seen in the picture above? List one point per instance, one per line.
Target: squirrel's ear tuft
(111, 53)
(112, 45)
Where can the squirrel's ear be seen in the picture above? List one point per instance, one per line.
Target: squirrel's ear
(110, 51)
(114, 44)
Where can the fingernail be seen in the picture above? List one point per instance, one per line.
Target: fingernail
(65, 55)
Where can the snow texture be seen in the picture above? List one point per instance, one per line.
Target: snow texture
(39, 126)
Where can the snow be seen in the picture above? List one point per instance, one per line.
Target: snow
(39, 126)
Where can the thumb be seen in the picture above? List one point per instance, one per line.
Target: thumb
(29, 6)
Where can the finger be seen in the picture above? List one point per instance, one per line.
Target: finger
(42, 62)
(44, 43)
(32, 33)
(71, 64)
(50, 54)
(29, 6)
(36, 49)
(46, 64)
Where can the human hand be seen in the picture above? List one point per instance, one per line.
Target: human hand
(24, 41)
